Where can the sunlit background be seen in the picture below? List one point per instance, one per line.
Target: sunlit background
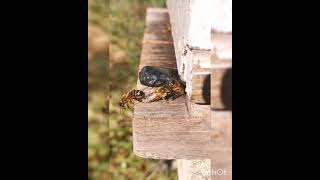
(115, 31)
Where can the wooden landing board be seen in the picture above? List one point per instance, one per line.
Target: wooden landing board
(165, 129)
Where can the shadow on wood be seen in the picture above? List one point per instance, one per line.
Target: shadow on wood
(226, 90)
(206, 95)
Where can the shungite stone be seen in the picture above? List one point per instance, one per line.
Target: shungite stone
(155, 76)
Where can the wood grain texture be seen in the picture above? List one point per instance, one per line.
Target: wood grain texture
(221, 89)
(221, 105)
(222, 45)
(157, 49)
(219, 164)
(221, 157)
(201, 85)
(192, 22)
(221, 71)
(207, 82)
(165, 129)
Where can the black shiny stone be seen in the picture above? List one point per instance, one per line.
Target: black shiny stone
(155, 76)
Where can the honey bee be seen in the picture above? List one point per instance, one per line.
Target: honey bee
(173, 89)
(177, 89)
(129, 98)
(157, 94)
(162, 84)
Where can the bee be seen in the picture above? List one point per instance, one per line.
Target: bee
(173, 89)
(156, 77)
(162, 84)
(177, 89)
(129, 98)
(157, 94)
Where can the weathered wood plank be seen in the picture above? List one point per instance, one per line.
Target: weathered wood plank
(221, 89)
(221, 105)
(165, 129)
(222, 45)
(192, 23)
(219, 166)
(221, 157)
(201, 85)
(221, 71)
(157, 49)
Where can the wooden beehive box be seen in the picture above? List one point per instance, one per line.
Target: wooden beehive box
(192, 23)
(166, 130)
(196, 128)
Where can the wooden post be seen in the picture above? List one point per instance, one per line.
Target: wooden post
(166, 130)
(194, 129)
(201, 31)
(192, 22)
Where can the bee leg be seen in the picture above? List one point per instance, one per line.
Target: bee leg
(176, 96)
(167, 97)
(128, 107)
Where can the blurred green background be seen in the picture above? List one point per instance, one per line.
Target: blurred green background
(115, 32)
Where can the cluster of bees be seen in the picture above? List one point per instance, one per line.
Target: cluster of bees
(162, 84)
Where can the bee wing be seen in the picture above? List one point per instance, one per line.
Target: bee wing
(147, 90)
